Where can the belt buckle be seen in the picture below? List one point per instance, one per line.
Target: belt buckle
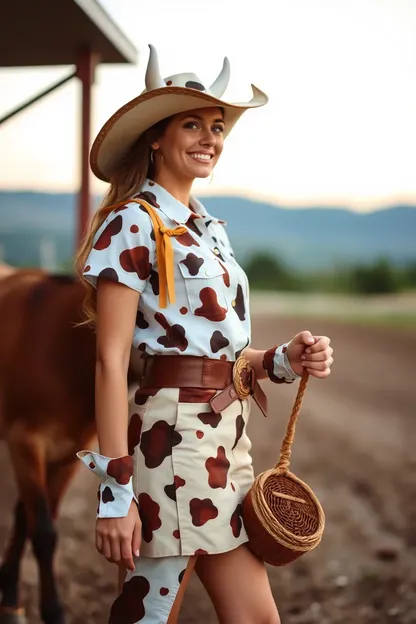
(242, 388)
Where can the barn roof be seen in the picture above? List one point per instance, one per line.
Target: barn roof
(53, 32)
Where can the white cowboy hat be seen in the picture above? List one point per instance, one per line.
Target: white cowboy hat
(162, 98)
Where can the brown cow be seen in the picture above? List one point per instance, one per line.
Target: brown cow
(47, 368)
(46, 415)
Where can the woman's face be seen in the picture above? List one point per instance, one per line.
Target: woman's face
(191, 144)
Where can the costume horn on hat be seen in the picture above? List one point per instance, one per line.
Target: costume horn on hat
(153, 79)
(221, 83)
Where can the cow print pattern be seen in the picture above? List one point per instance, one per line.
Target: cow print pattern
(187, 490)
(143, 394)
(218, 341)
(188, 479)
(107, 495)
(125, 252)
(236, 521)
(239, 429)
(190, 224)
(226, 276)
(157, 443)
(217, 468)
(202, 511)
(240, 307)
(210, 308)
(149, 515)
(269, 361)
(170, 490)
(121, 469)
(175, 334)
(128, 608)
(191, 84)
(141, 321)
(154, 282)
(134, 432)
(187, 240)
(109, 274)
(136, 260)
(193, 263)
(210, 418)
(113, 228)
(148, 197)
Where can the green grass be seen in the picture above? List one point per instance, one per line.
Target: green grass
(399, 321)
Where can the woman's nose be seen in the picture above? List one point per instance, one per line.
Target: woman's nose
(208, 138)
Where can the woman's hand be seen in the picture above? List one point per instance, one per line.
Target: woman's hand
(312, 353)
(119, 538)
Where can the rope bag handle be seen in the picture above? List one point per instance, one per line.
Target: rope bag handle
(283, 464)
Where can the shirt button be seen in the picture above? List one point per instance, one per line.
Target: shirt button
(207, 273)
(216, 251)
(233, 303)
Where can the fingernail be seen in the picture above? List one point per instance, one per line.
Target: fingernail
(303, 357)
(310, 339)
(137, 553)
(307, 351)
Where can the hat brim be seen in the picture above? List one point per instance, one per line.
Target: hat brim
(124, 127)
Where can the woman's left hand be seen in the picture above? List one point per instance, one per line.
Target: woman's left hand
(312, 353)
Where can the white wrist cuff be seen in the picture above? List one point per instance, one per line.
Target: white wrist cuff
(281, 365)
(116, 487)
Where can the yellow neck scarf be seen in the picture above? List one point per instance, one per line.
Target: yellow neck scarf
(164, 251)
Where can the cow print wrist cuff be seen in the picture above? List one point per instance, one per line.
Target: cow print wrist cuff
(276, 364)
(116, 488)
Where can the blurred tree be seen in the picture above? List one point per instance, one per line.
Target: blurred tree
(410, 274)
(377, 278)
(267, 272)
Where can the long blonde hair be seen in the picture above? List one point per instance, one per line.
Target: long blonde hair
(126, 181)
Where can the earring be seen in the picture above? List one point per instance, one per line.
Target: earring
(151, 157)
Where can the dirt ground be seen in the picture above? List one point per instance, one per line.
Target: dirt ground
(355, 446)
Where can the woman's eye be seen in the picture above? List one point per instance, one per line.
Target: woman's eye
(218, 129)
(191, 125)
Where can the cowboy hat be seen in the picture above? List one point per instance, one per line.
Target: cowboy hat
(162, 98)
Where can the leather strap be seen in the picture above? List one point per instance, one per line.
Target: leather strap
(223, 399)
(185, 371)
(188, 371)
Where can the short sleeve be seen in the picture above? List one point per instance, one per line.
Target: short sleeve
(123, 249)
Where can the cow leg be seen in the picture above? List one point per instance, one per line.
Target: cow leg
(59, 477)
(10, 610)
(44, 541)
(28, 458)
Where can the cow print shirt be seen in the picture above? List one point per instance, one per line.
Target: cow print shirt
(211, 314)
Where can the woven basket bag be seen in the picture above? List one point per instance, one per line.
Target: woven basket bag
(282, 516)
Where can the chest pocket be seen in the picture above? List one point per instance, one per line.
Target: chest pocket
(205, 289)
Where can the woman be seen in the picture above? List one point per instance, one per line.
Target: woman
(175, 463)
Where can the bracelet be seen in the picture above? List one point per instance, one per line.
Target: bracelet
(276, 364)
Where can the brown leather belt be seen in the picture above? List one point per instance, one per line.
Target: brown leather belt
(236, 379)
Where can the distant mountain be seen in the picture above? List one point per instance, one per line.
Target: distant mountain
(35, 225)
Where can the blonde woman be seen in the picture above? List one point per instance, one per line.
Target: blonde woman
(175, 464)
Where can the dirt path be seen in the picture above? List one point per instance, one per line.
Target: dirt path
(354, 447)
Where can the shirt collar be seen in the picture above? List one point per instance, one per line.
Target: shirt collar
(160, 198)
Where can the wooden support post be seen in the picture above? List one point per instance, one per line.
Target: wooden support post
(86, 65)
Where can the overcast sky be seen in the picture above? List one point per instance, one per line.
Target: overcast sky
(340, 126)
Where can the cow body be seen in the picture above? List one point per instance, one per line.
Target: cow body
(47, 366)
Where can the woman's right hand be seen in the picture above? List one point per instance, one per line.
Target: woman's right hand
(118, 539)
